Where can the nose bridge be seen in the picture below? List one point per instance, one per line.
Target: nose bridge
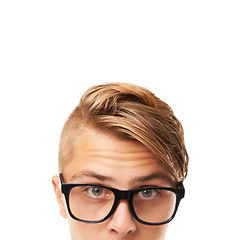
(124, 195)
(122, 220)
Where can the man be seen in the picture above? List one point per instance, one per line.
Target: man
(122, 163)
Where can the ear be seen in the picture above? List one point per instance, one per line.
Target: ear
(59, 196)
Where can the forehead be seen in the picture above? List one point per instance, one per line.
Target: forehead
(104, 155)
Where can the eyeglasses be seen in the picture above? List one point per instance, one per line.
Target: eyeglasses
(92, 203)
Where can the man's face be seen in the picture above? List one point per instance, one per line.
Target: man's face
(106, 160)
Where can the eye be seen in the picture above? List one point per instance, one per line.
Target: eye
(96, 192)
(147, 194)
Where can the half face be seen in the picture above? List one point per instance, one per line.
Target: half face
(105, 160)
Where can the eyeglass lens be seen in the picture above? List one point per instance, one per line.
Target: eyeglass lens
(154, 205)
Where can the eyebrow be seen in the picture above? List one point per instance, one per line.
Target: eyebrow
(100, 177)
(91, 174)
(153, 176)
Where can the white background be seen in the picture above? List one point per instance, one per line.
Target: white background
(186, 52)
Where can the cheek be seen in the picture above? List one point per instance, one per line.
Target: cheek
(152, 232)
(84, 231)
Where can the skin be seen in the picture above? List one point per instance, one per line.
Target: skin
(103, 159)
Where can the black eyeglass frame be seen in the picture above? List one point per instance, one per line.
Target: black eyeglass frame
(122, 195)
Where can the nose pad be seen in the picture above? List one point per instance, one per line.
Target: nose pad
(122, 222)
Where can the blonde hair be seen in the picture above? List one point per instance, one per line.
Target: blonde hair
(129, 112)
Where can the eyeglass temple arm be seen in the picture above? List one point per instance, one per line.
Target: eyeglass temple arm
(61, 178)
(180, 185)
